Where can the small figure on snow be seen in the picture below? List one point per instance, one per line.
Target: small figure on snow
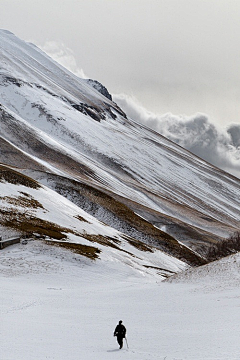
(120, 333)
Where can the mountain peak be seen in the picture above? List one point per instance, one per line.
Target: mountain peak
(99, 87)
(67, 134)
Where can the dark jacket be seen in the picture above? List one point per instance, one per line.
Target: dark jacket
(120, 331)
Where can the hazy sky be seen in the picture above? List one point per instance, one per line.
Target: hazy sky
(178, 56)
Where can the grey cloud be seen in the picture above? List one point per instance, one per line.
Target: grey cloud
(195, 133)
(184, 52)
(63, 55)
(234, 131)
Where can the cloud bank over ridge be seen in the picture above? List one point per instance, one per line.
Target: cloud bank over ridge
(59, 52)
(220, 147)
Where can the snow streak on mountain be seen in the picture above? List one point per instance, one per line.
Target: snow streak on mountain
(141, 193)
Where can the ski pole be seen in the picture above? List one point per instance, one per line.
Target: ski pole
(126, 342)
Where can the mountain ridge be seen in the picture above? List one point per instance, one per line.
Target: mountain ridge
(59, 130)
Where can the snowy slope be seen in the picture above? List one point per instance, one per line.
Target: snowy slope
(29, 208)
(55, 306)
(55, 123)
(28, 63)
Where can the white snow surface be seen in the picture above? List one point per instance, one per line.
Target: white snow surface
(59, 305)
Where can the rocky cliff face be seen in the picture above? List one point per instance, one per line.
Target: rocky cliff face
(99, 87)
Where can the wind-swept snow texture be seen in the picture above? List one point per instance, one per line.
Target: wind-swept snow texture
(55, 122)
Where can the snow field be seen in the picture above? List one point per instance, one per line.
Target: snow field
(58, 305)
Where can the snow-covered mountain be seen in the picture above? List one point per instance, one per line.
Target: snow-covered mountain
(73, 161)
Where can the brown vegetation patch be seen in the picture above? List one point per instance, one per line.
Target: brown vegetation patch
(185, 254)
(224, 247)
(158, 268)
(163, 272)
(106, 241)
(89, 251)
(81, 219)
(28, 224)
(103, 240)
(138, 244)
(14, 177)
(23, 201)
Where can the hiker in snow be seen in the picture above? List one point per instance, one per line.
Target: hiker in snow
(120, 333)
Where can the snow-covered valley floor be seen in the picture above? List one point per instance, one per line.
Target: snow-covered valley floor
(58, 305)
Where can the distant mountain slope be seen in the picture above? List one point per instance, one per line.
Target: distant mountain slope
(60, 130)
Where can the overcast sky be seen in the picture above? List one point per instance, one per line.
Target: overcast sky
(170, 64)
(178, 56)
